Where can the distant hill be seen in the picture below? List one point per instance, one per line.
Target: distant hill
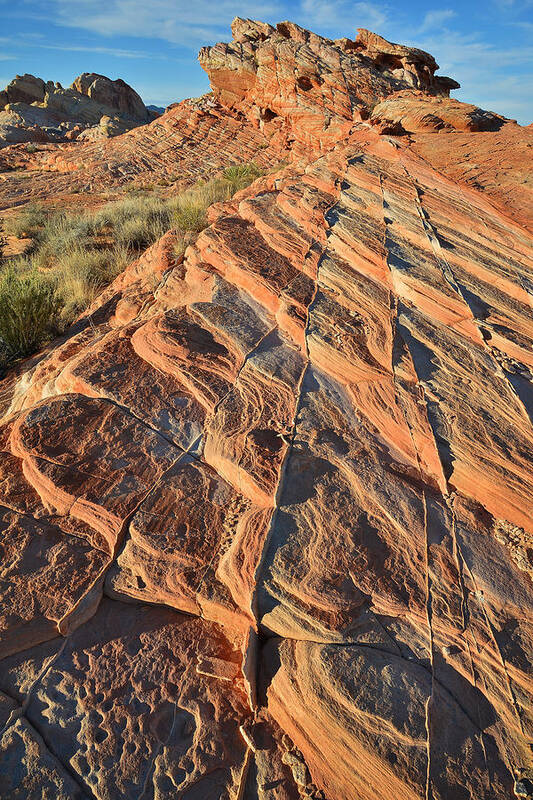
(93, 106)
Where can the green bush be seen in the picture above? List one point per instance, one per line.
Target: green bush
(189, 217)
(138, 232)
(74, 256)
(238, 176)
(60, 234)
(28, 310)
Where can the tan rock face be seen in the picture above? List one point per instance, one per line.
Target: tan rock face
(113, 94)
(266, 516)
(23, 89)
(48, 112)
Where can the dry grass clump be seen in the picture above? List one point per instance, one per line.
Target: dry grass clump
(74, 256)
(27, 222)
(239, 176)
(82, 273)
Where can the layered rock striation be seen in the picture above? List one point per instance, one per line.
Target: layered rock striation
(166, 151)
(266, 510)
(300, 87)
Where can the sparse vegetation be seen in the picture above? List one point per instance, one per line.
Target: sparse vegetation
(27, 222)
(28, 308)
(74, 256)
(3, 240)
(239, 176)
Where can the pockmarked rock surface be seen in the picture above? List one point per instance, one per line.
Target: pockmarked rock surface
(266, 510)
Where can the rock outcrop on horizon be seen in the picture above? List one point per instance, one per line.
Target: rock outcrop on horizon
(93, 106)
(266, 517)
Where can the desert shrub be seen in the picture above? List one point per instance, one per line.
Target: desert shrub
(188, 215)
(120, 257)
(133, 232)
(60, 234)
(80, 276)
(113, 213)
(188, 209)
(28, 311)
(28, 221)
(135, 221)
(142, 229)
(74, 256)
(238, 176)
(82, 273)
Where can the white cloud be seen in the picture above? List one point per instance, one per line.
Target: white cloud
(481, 67)
(514, 7)
(369, 16)
(203, 22)
(454, 51)
(524, 26)
(177, 21)
(341, 15)
(510, 96)
(487, 72)
(108, 51)
(435, 19)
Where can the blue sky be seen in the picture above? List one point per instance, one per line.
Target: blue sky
(152, 44)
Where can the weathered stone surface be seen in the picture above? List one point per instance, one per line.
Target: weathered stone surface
(166, 150)
(51, 581)
(309, 439)
(497, 163)
(113, 94)
(124, 705)
(23, 89)
(15, 129)
(374, 708)
(296, 85)
(194, 544)
(413, 112)
(28, 769)
(409, 64)
(78, 454)
(48, 112)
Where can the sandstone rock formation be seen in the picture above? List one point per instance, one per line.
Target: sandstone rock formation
(113, 94)
(32, 110)
(266, 509)
(301, 87)
(412, 112)
(23, 89)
